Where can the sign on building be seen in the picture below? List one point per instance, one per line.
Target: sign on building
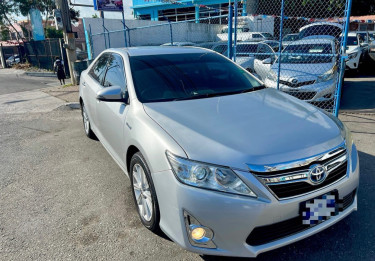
(108, 5)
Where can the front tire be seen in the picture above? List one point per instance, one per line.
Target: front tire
(86, 123)
(144, 194)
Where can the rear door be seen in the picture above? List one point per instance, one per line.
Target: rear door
(112, 115)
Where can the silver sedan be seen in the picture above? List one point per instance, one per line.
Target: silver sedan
(222, 165)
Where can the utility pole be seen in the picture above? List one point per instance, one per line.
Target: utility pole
(69, 37)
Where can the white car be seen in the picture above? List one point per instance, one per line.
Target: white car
(244, 34)
(308, 70)
(321, 29)
(179, 44)
(14, 59)
(354, 51)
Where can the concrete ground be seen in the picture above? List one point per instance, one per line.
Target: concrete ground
(62, 197)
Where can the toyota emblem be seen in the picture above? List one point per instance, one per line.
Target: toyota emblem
(317, 174)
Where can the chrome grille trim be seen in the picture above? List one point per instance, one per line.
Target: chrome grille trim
(298, 171)
(303, 175)
(298, 163)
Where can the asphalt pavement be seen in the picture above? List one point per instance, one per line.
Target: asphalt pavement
(62, 197)
(12, 81)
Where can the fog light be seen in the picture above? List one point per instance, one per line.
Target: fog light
(198, 233)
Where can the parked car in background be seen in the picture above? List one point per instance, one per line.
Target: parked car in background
(221, 164)
(308, 70)
(321, 29)
(290, 38)
(355, 52)
(179, 44)
(245, 53)
(244, 34)
(14, 59)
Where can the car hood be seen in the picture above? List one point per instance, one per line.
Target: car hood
(302, 72)
(262, 127)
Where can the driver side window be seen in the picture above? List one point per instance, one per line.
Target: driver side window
(98, 70)
(115, 75)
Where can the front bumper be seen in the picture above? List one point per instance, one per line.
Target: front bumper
(232, 218)
(317, 92)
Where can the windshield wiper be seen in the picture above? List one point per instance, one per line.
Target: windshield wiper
(210, 95)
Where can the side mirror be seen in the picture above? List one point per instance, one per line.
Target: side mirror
(113, 94)
(267, 61)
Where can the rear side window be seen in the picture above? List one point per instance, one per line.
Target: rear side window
(99, 68)
(257, 36)
(115, 75)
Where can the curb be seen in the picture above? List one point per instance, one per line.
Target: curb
(73, 105)
(41, 74)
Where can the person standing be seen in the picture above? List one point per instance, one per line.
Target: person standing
(59, 68)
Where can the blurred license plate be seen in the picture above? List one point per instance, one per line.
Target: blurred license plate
(320, 209)
(372, 50)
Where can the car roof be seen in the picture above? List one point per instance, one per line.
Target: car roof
(313, 41)
(321, 23)
(156, 50)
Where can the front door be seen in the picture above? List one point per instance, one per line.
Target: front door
(112, 115)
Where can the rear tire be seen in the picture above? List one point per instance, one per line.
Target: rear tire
(144, 194)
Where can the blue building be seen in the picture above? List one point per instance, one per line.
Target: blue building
(181, 10)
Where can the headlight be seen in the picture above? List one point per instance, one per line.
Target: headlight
(352, 56)
(208, 176)
(329, 75)
(272, 76)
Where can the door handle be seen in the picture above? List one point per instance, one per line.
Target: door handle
(84, 83)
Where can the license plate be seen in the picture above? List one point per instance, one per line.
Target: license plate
(372, 50)
(320, 209)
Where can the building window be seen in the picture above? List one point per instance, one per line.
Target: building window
(144, 17)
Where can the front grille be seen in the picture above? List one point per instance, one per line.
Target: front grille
(296, 85)
(305, 96)
(266, 234)
(292, 189)
(295, 181)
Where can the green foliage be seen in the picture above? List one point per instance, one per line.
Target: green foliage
(51, 32)
(95, 16)
(4, 34)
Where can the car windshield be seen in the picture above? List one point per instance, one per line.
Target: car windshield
(290, 37)
(267, 35)
(172, 77)
(297, 53)
(352, 41)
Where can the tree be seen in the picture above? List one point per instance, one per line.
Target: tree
(4, 33)
(22, 7)
(51, 32)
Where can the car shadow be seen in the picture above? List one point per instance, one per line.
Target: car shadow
(358, 90)
(351, 238)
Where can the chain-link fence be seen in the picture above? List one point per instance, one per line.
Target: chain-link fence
(296, 46)
(42, 54)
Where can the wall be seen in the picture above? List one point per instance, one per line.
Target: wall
(144, 33)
